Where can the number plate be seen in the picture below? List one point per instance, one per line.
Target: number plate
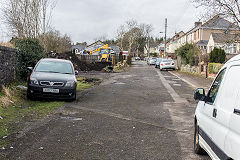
(167, 63)
(50, 90)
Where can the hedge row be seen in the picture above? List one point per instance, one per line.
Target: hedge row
(213, 68)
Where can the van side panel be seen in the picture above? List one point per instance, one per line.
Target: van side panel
(230, 100)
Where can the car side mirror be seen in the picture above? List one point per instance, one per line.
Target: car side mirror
(30, 68)
(76, 72)
(199, 94)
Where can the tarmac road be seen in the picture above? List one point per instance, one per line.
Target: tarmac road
(139, 114)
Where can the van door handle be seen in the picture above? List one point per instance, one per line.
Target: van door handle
(236, 111)
(214, 112)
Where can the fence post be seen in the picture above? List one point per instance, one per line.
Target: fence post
(207, 70)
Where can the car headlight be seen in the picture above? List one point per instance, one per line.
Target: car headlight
(34, 81)
(70, 84)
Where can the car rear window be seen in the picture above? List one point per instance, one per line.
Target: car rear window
(54, 67)
(167, 60)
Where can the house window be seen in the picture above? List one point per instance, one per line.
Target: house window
(231, 48)
(234, 48)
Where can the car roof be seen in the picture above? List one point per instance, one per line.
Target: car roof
(55, 60)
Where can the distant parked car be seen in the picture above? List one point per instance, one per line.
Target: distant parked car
(52, 78)
(158, 61)
(152, 61)
(137, 58)
(167, 64)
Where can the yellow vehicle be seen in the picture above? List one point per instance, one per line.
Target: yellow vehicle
(104, 53)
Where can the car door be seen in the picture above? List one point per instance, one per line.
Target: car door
(232, 142)
(224, 108)
(207, 119)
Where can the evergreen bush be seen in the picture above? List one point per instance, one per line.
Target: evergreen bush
(29, 52)
(217, 55)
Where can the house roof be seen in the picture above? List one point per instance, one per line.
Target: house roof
(116, 49)
(202, 43)
(96, 43)
(217, 22)
(225, 38)
(79, 47)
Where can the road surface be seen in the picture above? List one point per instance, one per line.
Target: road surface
(139, 114)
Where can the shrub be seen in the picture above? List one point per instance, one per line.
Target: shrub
(217, 55)
(214, 67)
(189, 54)
(29, 52)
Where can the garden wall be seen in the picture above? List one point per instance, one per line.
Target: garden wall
(7, 65)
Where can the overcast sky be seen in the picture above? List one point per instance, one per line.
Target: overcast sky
(86, 20)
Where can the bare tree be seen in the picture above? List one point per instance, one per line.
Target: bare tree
(28, 18)
(146, 30)
(54, 41)
(228, 8)
(132, 34)
(120, 35)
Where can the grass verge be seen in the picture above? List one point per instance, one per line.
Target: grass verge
(15, 108)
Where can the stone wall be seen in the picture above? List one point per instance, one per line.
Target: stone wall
(190, 69)
(7, 65)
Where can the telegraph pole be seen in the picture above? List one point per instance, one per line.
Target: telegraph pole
(165, 39)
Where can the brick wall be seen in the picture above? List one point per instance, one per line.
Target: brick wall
(7, 65)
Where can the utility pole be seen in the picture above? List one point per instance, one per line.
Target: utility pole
(148, 47)
(165, 39)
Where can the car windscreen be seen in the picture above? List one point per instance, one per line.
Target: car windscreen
(54, 67)
(154, 58)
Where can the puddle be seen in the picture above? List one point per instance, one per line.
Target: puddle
(178, 85)
(120, 83)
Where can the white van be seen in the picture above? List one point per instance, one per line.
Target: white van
(217, 116)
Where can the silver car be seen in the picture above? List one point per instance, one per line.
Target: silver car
(167, 64)
(158, 61)
(152, 61)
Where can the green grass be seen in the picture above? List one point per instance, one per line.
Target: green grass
(23, 110)
(83, 84)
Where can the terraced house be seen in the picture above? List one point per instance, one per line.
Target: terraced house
(201, 32)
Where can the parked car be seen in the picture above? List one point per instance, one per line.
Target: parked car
(52, 78)
(167, 64)
(151, 61)
(158, 61)
(137, 58)
(217, 116)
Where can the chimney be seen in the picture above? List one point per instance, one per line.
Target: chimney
(198, 23)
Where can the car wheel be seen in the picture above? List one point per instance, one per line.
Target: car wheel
(29, 96)
(197, 148)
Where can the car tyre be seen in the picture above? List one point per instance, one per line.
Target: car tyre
(197, 148)
(30, 97)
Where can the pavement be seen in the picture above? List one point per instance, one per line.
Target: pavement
(139, 114)
(195, 81)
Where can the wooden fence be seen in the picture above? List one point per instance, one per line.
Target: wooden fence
(95, 58)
